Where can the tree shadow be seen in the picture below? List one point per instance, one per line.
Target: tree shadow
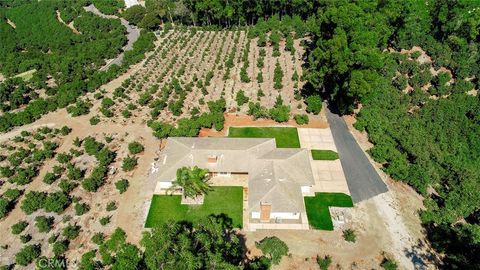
(421, 257)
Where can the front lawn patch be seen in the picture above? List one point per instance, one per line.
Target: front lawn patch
(221, 200)
(324, 154)
(317, 208)
(285, 137)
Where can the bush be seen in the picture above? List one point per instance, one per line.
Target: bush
(94, 120)
(129, 163)
(122, 185)
(241, 98)
(301, 119)
(98, 238)
(111, 206)
(25, 238)
(349, 235)
(314, 104)
(18, 227)
(27, 254)
(60, 247)
(135, 148)
(81, 208)
(105, 220)
(273, 248)
(44, 224)
(71, 231)
(389, 264)
(324, 262)
(280, 113)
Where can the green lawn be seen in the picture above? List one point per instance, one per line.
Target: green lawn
(324, 154)
(286, 137)
(317, 208)
(221, 200)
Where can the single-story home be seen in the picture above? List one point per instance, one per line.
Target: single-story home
(278, 178)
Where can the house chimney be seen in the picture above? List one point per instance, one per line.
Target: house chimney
(212, 159)
(265, 210)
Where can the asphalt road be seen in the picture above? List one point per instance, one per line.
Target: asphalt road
(132, 35)
(362, 179)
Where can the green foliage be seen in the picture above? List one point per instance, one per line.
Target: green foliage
(389, 264)
(135, 148)
(349, 235)
(192, 181)
(273, 248)
(43, 223)
(27, 254)
(60, 247)
(277, 76)
(301, 119)
(314, 104)
(324, 262)
(134, 14)
(122, 185)
(241, 98)
(81, 208)
(129, 163)
(18, 227)
(71, 231)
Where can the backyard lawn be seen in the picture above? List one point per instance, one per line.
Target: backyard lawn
(221, 200)
(324, 154)
(317, 208)
(286, 137)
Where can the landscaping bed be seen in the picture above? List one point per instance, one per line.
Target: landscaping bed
(324, 154)
(221, 200)
(285, 137)
(317, 208)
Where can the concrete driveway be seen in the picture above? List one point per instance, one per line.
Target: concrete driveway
(328, 174)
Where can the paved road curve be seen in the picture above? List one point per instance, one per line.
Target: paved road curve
(362, 179)
(132, 35)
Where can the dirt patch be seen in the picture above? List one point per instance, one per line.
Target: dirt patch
(240, 120)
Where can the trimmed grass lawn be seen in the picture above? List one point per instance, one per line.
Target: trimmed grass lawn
(221, 200)
(285, 137)
(324, 154)
(317, 208)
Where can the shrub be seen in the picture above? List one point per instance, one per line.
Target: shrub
(111, 206)
(273, 248)
(60, 247)
(349, 235)
(71, 231)
(98, 238)
(314, 104)
(389, 264)
(241, 98)
(27, 254)
(81, 208)
(135, 148)
(301, 119)
(122, 185)
(280, 113)
(94, 120)
(44, 224)
(105, 220)
(129, 163)
(18, 227)
(25, 238)
(324, 262)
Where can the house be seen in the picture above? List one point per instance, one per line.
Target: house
(276, 178)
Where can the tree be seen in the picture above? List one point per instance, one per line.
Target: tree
(27, 254)
(129, 163)
(18, 227)
(273, 248)
(210, 243)
(301, 119)
(71, 231)
(349, 235)
(134, 14)
(44, 224)
(389, 264)
(135, 148)
(314, 104)
(241, 98)
(324, 262)
(122, 185)
(60, 247)
(192, 181)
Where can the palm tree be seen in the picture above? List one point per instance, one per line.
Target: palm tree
(193, 181)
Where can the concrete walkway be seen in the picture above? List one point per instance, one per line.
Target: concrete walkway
(363, 181)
